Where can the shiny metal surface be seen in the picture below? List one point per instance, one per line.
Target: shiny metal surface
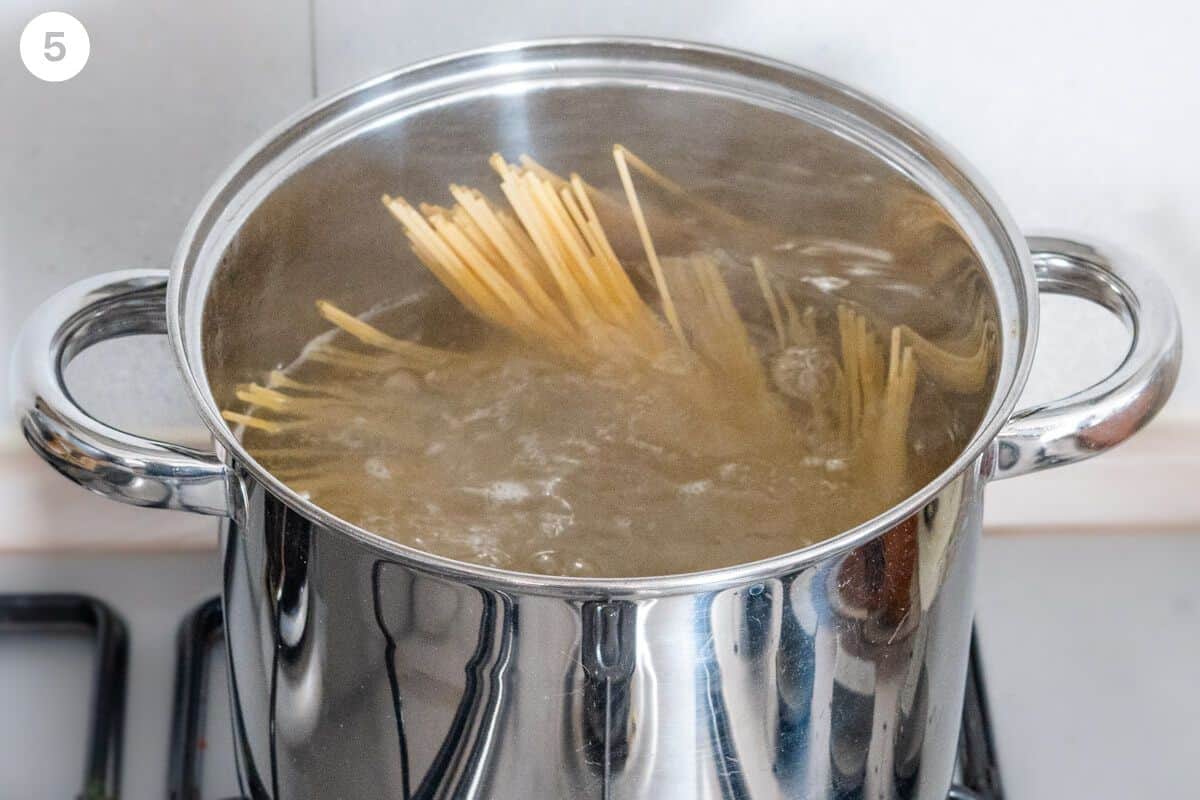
(1101, 416)
(362, 668)
(101, 458)
(358, 675)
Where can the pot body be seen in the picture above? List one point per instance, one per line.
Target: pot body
(361, 675)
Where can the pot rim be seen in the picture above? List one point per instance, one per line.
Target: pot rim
(216, 214)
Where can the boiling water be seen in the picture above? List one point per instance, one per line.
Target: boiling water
(513, 459)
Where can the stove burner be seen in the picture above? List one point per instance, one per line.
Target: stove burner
(978, 776)
(198, 633)
(60, 613)
(979, 772)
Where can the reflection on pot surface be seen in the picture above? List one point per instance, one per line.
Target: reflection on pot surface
(814, 684)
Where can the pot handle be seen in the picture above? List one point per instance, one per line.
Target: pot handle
(1106, 414)
(108, 461)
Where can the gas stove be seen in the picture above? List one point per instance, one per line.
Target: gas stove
(199, 764)
(1089, 643)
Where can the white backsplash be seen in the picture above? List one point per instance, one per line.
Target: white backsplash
(103, 171)
(1082, 115)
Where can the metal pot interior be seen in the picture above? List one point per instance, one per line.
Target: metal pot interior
(300, 218)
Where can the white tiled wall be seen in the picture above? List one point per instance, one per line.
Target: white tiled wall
(1082, 114)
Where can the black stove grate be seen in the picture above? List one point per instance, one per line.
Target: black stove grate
(978, 773)
(70, 613)
(199, 632)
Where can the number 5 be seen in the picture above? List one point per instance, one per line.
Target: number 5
(59, 49)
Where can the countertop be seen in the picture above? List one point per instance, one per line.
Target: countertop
(1090, 646)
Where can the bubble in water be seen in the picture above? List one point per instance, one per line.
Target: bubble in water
(508, 492)
(403, 383)
(377, 469)
(809, 373)
(826, 283)
(732, 471)
(555, 525)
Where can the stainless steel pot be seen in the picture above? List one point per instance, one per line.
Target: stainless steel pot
(360, 668)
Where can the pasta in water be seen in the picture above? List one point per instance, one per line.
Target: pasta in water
(663, 413)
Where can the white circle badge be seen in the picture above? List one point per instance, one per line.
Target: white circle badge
(55, 46)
